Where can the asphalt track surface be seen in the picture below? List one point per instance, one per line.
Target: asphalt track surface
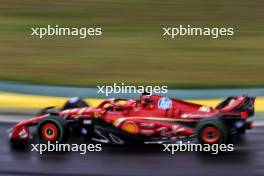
(247, 159)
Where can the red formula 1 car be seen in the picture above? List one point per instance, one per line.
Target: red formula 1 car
(152, 119)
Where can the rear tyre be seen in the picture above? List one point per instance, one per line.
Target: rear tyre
(53, 129)
(211, 131)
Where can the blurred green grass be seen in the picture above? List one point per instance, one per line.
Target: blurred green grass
(132, 49)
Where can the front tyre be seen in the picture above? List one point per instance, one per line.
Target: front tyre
(75, 102)
(211, 131)
(52, 129)
(47, 110)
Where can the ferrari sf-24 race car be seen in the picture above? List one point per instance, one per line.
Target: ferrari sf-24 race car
(149, 120)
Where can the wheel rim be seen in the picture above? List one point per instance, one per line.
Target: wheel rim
(211, 135)
(49, 132)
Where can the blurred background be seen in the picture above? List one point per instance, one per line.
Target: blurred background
(132, 49)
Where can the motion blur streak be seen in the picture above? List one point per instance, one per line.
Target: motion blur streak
(14, 100)
(247, 159)
(133, 49)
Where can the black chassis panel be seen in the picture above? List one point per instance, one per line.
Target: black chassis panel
(101, 131)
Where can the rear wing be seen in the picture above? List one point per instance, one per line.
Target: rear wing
(241, 104)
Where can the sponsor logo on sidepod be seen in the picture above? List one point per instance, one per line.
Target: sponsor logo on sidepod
(164, 103)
